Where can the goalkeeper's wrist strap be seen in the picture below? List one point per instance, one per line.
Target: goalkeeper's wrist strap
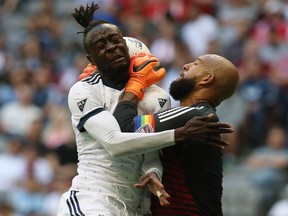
(135, 88)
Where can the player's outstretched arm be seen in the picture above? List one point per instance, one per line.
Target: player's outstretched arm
(104, 128)
(200, 129)
(187, 126)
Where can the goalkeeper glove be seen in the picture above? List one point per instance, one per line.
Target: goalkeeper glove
(143, 74)
(87, 71)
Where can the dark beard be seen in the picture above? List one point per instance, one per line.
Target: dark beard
(179, 89)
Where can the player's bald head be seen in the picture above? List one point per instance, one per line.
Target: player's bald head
(225, 76)
(210, 78)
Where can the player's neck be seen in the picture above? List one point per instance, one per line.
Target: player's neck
(189, 101)
(117, 79)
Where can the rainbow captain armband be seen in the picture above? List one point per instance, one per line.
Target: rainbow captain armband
(144, 124)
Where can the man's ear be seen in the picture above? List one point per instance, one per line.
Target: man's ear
(90, 59)
(207, 79)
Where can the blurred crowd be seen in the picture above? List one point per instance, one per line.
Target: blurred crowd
(41, 56)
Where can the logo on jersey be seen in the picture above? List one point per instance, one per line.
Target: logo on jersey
(146, 128)
(81, 104)
(162, 101)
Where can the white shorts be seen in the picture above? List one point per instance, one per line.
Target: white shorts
(80, 203)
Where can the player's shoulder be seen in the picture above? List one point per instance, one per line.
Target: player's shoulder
(204, 108)
(155, 99)
(85, 85)
(155, 90)
(155, 87)
(93, 79)
(157, 94)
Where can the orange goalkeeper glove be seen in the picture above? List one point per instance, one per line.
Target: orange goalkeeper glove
(143, 74)
(87, 71)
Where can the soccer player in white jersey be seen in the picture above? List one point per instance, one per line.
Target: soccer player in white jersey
(111, 162)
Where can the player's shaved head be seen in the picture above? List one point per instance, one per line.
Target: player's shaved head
(226, 77)
(212, 78)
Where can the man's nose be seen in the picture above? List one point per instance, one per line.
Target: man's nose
(111, 46)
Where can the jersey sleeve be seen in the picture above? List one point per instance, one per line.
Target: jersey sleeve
(105, 129)
(83, 103)
(155, 122)
(89, 115)
(172, 118)
(124, 113)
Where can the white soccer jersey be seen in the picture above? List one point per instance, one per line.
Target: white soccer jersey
(108, 163)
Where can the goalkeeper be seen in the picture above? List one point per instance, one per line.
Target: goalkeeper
(192, 171)
(111, 162)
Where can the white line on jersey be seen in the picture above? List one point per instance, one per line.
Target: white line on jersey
(92, 79)
(172, 113)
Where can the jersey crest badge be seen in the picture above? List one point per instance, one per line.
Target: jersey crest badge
(162, 101)
(81, 104)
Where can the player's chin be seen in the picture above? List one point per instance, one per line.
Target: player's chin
(121, 66)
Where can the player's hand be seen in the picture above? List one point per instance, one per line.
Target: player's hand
(204, 130)
(155, 186)
(143, 73)
(143, 65)
(87, 71)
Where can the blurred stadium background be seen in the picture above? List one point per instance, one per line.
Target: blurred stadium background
(41, 56)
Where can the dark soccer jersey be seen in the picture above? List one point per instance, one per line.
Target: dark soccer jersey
(174, 180)
(192, 171)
